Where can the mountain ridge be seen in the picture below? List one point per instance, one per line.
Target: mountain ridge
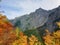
(37, 19)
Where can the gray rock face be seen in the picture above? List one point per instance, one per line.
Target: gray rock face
(32, 20)
(39, 19)
(54, 15)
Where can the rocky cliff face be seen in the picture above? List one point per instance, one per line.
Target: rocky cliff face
(40, 19)
(53, 17)
(32, 20)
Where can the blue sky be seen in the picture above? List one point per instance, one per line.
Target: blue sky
(15, 8)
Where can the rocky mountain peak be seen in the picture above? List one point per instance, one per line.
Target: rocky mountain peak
(38, 18)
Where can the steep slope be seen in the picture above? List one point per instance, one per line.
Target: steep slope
(32, 20)
(53, 17)
(39, 19)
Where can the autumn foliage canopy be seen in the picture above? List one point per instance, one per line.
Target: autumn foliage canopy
(10, 35)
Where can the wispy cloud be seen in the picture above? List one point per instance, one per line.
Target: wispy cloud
(15, 8)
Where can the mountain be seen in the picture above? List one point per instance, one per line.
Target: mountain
(40, 19)
(53, 17)
(32, 20)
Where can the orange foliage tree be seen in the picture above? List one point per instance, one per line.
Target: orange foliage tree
(13, 36)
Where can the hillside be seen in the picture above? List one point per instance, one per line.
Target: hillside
(38, 19)
(10, 35)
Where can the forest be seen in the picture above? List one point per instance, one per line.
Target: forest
(10, 35)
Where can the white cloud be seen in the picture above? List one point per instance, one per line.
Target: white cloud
(50, 4)
(11, 14)
(28, 6)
